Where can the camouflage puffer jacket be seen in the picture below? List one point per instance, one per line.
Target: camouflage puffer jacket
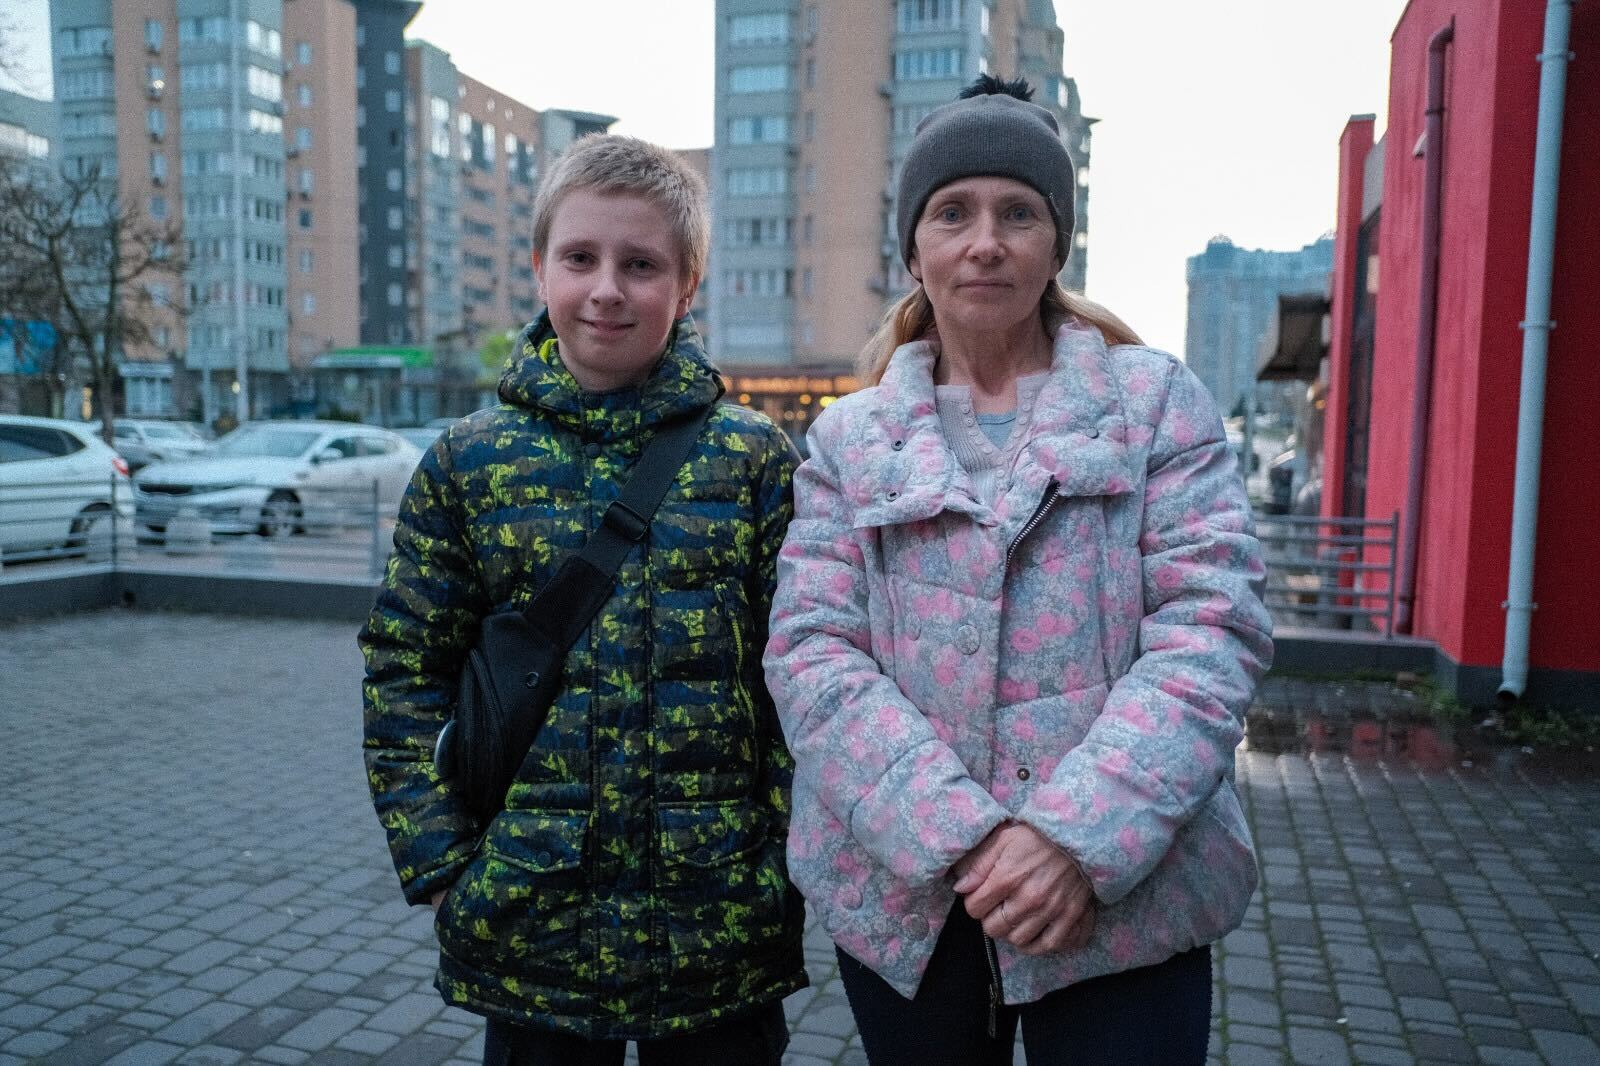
(635, 885)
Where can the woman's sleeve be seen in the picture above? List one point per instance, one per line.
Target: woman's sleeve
(424, 620)
(869, 755)
(1167, 733)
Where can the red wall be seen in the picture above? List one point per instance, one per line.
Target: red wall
(1354, 144)
(1491, 105)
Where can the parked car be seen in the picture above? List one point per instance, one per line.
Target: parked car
(422, 436)
(272, 478)
(143, 442)
(58, 483)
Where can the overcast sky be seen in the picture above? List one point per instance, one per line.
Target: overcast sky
(1220, 116)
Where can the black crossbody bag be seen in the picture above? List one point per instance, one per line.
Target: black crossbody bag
(514, 672)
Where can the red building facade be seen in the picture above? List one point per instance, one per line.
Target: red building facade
(1489, 125)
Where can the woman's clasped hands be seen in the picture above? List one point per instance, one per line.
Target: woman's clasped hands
(1026, 891)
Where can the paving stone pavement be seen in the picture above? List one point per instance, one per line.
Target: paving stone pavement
(192, 874)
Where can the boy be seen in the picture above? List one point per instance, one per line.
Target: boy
(634, 887)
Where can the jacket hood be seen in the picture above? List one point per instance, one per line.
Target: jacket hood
(683, 380)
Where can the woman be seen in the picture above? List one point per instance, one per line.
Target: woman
(1015, 632)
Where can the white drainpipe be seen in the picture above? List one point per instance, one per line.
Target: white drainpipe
(1536, 327)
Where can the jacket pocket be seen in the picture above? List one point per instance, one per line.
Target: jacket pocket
(722, 879)
(517, 908)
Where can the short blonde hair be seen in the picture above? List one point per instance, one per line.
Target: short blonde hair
(610, 163)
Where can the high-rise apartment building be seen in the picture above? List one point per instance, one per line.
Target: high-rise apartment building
(381, 162)
(1233, 303)
(27, 128)
(816, 104)
(474, 163)
(182, 104)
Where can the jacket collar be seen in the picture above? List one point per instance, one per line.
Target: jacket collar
(683, 380)
(1077, 436)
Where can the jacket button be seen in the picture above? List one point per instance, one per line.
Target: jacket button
(702, 855)
(915, 925)
(850, 898)
(1023, 773)
(967, 640)
(897, 445)
(1091, 433)
(893, 495)
(543, 858)
(914, 628)
(592, 450)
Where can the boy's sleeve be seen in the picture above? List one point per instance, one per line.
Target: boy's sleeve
(774, 509)
(424, 620)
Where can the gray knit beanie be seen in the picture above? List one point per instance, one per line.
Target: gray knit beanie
(993, 134)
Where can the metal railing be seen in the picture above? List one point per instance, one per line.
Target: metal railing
(1330, 573)
(340, 533)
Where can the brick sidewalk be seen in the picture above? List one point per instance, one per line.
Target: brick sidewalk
(193, 874)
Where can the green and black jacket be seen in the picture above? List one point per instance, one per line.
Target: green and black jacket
(635, 886)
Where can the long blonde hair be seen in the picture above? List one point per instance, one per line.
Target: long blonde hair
(911, 318)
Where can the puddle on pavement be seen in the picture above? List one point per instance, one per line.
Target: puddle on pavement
(1384, 723)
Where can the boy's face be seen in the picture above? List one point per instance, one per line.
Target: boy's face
(614, 280)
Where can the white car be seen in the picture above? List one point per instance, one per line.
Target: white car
(143, 441)
(57, 483)
(277, 478)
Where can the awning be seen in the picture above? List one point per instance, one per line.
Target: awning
(1294, 346)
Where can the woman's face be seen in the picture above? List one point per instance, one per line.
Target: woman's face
(985, 249)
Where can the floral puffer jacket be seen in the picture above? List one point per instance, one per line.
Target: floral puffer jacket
(1077, 657)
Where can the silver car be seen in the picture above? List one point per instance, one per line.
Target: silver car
(146, 441)
(278, 478)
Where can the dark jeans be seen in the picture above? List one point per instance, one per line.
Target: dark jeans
(1154, 1016)
(752, 1040)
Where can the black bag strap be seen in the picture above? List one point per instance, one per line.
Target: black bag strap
(566, 605)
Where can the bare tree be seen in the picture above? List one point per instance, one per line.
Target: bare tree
(74, 255)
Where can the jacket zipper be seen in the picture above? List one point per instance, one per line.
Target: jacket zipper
(1040, 513)
(991, 953)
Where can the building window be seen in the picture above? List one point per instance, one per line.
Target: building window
(811, 126)
(302, 138)
(85, 85)
(391, 62)
(759, 79)
(439, 127)
(210, 30)
(158, 207)
(811, 74)
(263, 39)
(391, 101)
(156, 122)
(811, 177)
(805, 282)
(308, 303)
(920, 64)
(302, 53)
(158, 167)
(155, 79)
(758, 181)
(397, 256)
(396, 218)
(914, 15)
(769, 28)
(265, 84)
(84, 41)
(395, 179)
(395, 294)
(305, 218)
(808, 228)
(305, 95)
(759, 129)
(307, 179)
(152, 34)
(307, 260)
